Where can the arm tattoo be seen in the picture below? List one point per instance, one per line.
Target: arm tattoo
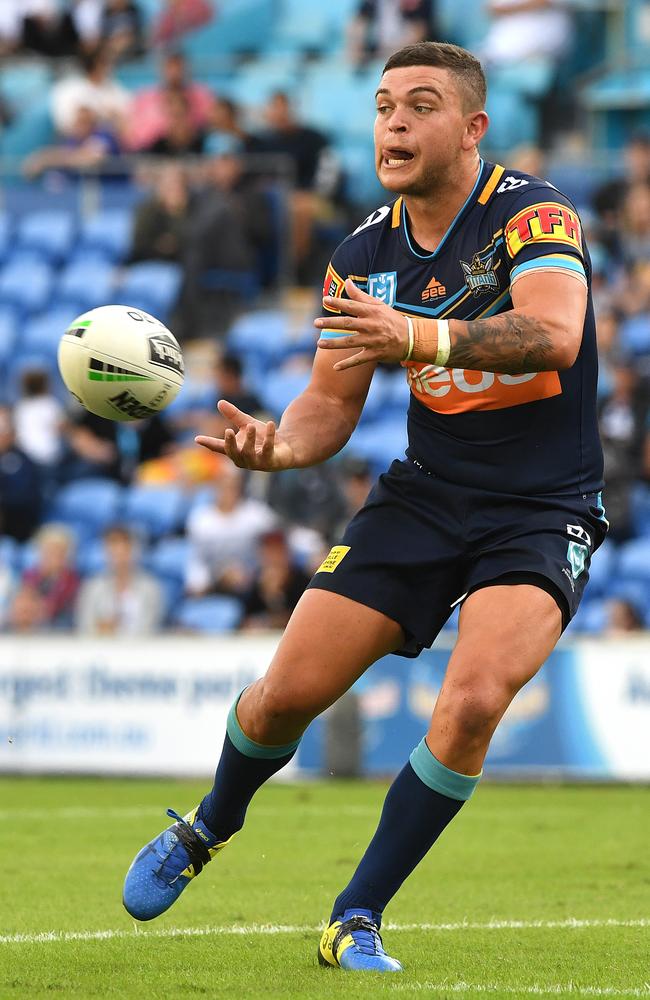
(511, 343)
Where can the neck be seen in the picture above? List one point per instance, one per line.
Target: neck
(431, 215)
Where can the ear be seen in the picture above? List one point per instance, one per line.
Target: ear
(475, 129)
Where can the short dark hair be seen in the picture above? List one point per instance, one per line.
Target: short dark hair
(464, 66)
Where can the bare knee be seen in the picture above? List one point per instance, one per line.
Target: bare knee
(470, 709)
(272, 713)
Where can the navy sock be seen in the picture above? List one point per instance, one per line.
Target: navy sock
(243, 767)
(422, 800)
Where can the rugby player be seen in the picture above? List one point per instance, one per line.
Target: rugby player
(476, 279)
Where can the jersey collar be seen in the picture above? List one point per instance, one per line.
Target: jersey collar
(405, 236)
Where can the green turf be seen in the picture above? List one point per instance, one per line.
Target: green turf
(541, 853)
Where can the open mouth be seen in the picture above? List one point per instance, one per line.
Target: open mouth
(396, 157)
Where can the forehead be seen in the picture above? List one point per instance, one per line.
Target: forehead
(400, 81)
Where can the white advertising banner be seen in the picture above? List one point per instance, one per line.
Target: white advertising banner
(118, 706)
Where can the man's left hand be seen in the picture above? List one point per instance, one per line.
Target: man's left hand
(378, 331)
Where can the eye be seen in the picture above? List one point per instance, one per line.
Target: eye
(382, 109)
(422, 108)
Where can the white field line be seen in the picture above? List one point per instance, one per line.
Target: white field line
(264, 929)
(554, 989)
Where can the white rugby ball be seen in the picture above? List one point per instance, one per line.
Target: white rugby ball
(121, 363)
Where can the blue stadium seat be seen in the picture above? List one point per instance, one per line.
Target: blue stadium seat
(151, 285)
(169, 558)
(209, 614)
(602, 568)
(379, 443)
(344, 88)
(10, 554)
(303, 27)
(5, 236)
(635, 335)
(26, 282)
(640, 509)
(279, 388)
(634, 560)
(30, 130)
(91, 557)
(240, 26)
(258, 336)
(48, 233)
(8, 330)
(92, 501)
(591, 617)
(42, 333)
(86, 283)
(154, 510)
(108, 232)
(24, 83)
(634, 592)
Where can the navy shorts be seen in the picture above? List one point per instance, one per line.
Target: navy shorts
(420, 545)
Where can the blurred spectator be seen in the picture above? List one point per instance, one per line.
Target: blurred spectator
(277, 587)
(316, 173)
(147, 118)
(222, 537)
(93, 88)
(357, 482)
(230, 385)
(225, 131)
(524, 30)
(123, 600)
(311, 497)
(86, 146)
(107, 448)
(221, 275)
(623, 617)
(121, 29)
(26, 611)
(38, 419)
(635, 228)
(622, 420)
(7, 593)
(20, 488)
(160, 222)
(180, 16)
(380, 27)
(181, 136)
(609, 197)
(53, 577)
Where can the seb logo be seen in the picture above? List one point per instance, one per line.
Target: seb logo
(457, 390)
(544, 223)
(434, 290)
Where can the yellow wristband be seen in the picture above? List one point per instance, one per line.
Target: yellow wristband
(409, 352)
(444, 344)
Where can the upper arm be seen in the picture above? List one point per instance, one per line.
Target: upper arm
(558, 301)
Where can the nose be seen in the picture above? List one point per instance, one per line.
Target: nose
(397, 122)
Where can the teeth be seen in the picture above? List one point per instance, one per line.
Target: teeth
(396, 162)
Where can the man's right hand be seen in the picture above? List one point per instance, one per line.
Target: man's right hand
(254, 445)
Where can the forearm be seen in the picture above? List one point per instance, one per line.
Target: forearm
(512, 343)
(316, 426)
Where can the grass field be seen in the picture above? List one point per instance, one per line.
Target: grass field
(537, 890)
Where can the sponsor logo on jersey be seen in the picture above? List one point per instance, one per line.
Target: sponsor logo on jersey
(373, 218)
(434, 290)
(127, 403)
(333, 558)
(333, 284)
(547, 222)
(577, 531)
(383, 286)
(457, 390)
(511, 183)
(164, 351)
(480, 275)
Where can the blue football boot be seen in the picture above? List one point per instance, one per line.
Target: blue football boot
(353, 943)
(162, 869)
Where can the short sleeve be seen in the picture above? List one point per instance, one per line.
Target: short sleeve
(345, 263)
(543, 232)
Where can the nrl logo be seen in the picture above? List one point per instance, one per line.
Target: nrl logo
(480, 275)
(164, 351)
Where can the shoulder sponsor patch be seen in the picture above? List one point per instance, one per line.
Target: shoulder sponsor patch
(333, 558)
(333, 284)
(547, 222)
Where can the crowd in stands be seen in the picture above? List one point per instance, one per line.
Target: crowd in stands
(130, 528)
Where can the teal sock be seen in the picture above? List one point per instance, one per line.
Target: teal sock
(243, 767)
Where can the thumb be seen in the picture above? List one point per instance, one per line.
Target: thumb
(354, 292)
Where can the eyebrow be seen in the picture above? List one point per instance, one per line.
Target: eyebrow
(414, 90)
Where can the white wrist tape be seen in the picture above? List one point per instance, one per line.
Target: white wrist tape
(444, 344)
(409, 353)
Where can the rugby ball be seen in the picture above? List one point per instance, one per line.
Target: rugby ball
(120, 363)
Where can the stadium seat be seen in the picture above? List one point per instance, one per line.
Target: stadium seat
(91, 557)
(26, 282)
(259, 335)
(8, 329)
(94, 501)
(47, 233)
(42, 333)
(208, 614)
(634, 560)
(591, 617)
(24, 83)
(151, 285)
(30, 130)
(279, 388)
(602, 568)
(635, 335)
(107, 232)
(640, 509)
(5, 236)
(10, 553)
(85, 283)
(154, 510)
(169, 558)
(240, 26)
(379, 443)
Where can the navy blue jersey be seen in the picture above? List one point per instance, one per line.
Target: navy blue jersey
(534, 433)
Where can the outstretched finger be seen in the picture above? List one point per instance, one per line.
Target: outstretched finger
(212, 444)
(348, 306)
(362, 358)
(233, 413)
(230, 447)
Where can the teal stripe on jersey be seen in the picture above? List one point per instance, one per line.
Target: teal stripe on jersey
(552, 260)
(440, 778)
